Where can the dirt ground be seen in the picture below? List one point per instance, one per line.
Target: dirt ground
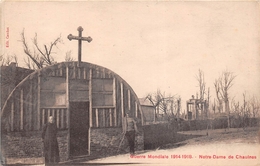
(218, 147)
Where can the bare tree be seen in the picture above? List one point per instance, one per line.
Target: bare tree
(155, 100)
(222, 87)
(15, 59)
(202, 84)
(235, 107)
(6, 60)
(255, 106)
(214, 107)
(168, 105)
(245, 111)
(68, 57)
(219, 100)
(226, 82)
(162, 104)
(39, 57)
(178, 107)
(207, 103)
(29, 63)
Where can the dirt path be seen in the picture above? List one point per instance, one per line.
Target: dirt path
(220, 148)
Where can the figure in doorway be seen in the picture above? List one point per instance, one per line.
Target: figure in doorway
(49, 137)
(129, 130)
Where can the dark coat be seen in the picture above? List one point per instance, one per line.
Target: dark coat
(51, 149)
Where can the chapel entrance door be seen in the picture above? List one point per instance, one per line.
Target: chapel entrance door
(79, 126)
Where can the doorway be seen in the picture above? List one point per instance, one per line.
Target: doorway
(79, 126)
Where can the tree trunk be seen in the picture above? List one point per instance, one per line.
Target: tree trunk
(228, 113)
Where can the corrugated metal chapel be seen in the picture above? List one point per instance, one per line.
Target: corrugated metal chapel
(88, 103)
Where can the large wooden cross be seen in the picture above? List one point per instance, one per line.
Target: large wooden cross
(79, 38)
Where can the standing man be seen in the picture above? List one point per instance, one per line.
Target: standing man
(49, 136)
(129, 129)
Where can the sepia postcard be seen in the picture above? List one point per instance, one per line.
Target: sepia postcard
(122, 82)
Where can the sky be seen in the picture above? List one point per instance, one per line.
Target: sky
(151, 45)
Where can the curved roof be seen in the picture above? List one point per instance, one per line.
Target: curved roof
(49, 69)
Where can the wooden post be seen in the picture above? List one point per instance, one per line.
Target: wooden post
(89, 140)
(129, 100)
(39, 101)
(104, 117)
(53, 113)
(12, 116)
(104, 74)
(58, 118)
(97, 76)
(114, 100)
(90, 97)
(43, 116)
(30, 107)
(67, 92)
(90, 107)
(110, 117)
(84, 73)
(96, 117)
(68, 106)
(122, 102)
(49, 114)
(21, 107)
